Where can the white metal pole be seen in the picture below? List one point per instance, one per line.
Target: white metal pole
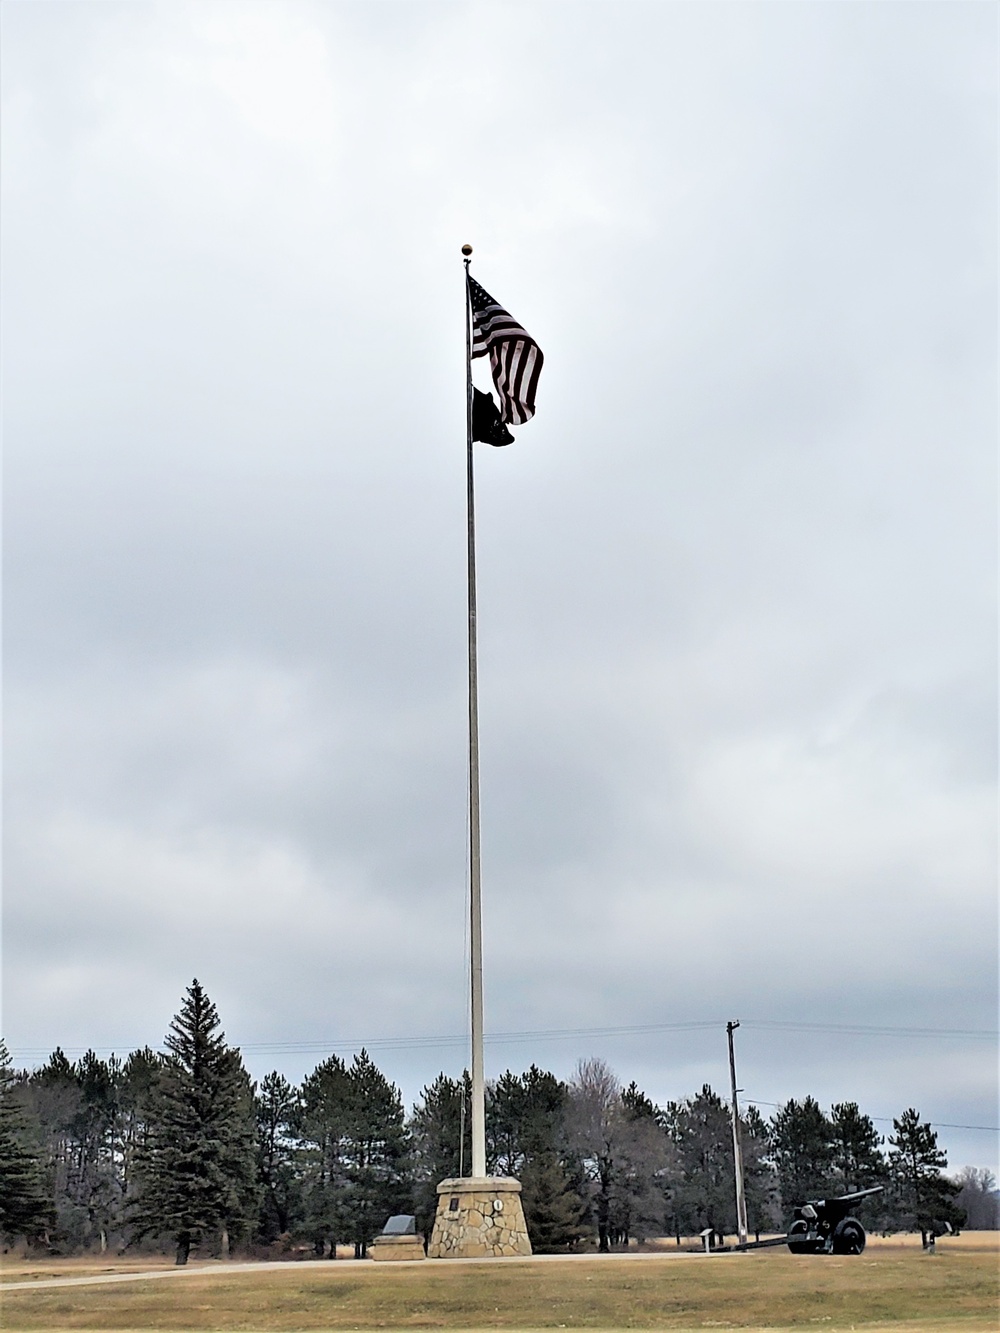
(478, 1107)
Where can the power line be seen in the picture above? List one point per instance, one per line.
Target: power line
(870, 1030)
(888, 1119)
(558, 1034)
(411, 1043)
(555, 1034)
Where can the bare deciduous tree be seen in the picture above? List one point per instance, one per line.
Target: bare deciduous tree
(622, 1154)
(979, 1198)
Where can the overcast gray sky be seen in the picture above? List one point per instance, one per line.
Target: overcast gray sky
(737, 578)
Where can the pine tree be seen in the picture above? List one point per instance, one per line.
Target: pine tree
(857, 1156)
(55, 1101)
(703, 1190)
(638, 1203)
(25, 1206)
(554, 1212)
(136, 1082)
(526, 1138)
(277, 1107)
(925, 1198)
(95, 1182)
(802, 1147)
(525, 1116)
(322, 1127)
(760, 1182)
(77, 1110)
(435, 1128)
(504, 1112)
(196, 1170)
(638, 1106)
(376, 1152)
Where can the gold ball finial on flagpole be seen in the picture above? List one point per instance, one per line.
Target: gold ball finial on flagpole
(466, 249)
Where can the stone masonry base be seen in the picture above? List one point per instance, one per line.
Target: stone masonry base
(397, 1247)
(479, 1217)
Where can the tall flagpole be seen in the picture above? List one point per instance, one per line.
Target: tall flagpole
(477, 1216)
(475, 882)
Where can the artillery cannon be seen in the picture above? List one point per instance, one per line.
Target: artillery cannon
(824, 1226)
(821, 1226)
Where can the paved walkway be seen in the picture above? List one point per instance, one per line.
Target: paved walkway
(316, 1266)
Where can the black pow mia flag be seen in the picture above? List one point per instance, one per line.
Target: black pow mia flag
(486, 423)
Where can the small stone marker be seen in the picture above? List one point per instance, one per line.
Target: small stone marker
(399, 1240)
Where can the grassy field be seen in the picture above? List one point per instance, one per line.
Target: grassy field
(892, 1286)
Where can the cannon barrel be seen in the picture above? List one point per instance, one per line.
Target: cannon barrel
(858, 1194)
(841, 1202)
(819, 1212)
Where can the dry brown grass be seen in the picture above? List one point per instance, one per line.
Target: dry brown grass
(15, 1268)
(891, 1287)
(969, 1242)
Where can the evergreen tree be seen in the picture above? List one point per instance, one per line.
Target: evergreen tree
(526, 1138)
(703, 1190)
(196, 1169)
(276, 1107)
(435, 1128)
(95, 1184)
(525, 1116)
(136, 1082)
(802, 1148)
(924, 1197)
(759, 1180)
(554, 1212)
(81, 1110)
(543, 1115)
(504, 1113)
(25, 1206)
(323, 1129)
(637, 1195)
(376, 1152)
(857, 1159)
(637, 1105)
(54, 1100)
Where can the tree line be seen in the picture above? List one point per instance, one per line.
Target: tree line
(182, 1149)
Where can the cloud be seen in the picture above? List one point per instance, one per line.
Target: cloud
(736, 579)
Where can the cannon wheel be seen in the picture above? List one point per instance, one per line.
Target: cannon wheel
(848, 1237)
(800, 1227)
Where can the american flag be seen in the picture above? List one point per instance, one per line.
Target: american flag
(515, 357)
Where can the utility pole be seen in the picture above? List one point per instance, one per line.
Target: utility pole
(741, 1200)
